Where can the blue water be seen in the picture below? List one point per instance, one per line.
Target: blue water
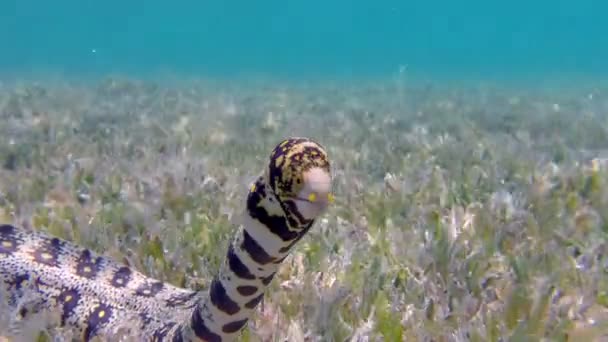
(332, 37)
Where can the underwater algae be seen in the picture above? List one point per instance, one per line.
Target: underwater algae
(461, 213)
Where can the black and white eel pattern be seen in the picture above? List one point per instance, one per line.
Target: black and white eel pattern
(94, 294)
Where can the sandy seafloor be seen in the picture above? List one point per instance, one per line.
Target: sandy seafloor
(464, 211)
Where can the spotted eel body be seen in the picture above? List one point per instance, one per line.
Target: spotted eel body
(93, 295)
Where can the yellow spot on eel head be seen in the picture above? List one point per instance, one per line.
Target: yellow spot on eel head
(46, 255)
(68, 298)
(101, 313)
(330, 198)
(312, 197)
(87, 269)
(252, 187)
(7, 244)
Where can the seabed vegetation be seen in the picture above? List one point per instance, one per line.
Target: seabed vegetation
(462, 213)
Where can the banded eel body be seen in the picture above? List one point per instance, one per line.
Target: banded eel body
(94, 295)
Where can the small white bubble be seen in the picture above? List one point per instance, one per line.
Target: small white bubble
(93, 50)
